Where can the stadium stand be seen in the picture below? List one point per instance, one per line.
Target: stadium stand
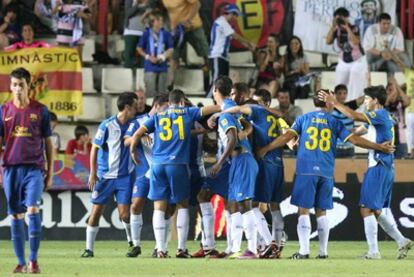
(117, 80)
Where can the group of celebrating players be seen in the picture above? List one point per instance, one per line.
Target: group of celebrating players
(158, 156)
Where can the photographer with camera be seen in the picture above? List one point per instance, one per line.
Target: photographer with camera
(352, 68)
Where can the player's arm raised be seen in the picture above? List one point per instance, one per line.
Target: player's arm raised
(385, 147)
(277, 143)
(210, 109)
(232, 139)
(93, 172)
(49, 163)
(245, 109)
(328, 97)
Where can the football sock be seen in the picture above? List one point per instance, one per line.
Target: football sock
(207, 214)
(371, 233)
(323, 234)
(136, 227)
(277, 226)
(304, 231)
(250, 230)
(35, 231)
(167, 233)
(262, 226)
(18, 238)
(236, 232)
(183, 220)
(91, 232)
(391, 229)
(158, 223)
(228, 231)
(127, 228)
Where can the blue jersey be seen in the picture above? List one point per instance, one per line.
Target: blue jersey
(143, 151)
(318, 132)
(172, 137)
(114, 160)
(267, 127)
(380, 129)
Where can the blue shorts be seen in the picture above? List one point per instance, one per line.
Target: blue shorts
(220, 183)
(269, 182)
(242, 177)
(196, 182)
(376, 187)
(23, 186)
(141, 187)
(311, 191)
(170, 182)
(105, 188)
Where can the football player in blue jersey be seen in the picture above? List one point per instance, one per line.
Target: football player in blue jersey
(378, 181)
(111, 167)
(170, 181)
(318, 132)
(142, 173)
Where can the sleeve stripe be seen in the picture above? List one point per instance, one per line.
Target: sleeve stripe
(94, 144)
(145, 127)
(369, 120)
(350, 135)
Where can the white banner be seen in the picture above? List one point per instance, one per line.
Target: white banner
(313, 19)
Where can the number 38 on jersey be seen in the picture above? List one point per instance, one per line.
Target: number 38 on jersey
(318, 138)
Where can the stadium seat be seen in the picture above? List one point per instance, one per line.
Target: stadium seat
(328, 80)
(93, 108)
(88, 50)
(315, 59)
(117, 80)
(191, 56)
(66, 133)
(87, 80)
(332, 59)
(305, 104)
(139, 78)
(378, 78)
(400, 77)
(191, 81)
(201, 100)
(242, 59)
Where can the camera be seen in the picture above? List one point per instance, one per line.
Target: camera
(340, 21)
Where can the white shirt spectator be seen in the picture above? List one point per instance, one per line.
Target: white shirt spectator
(392, 40)
(221, 33)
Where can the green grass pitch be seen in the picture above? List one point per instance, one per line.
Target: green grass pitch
(60, 258)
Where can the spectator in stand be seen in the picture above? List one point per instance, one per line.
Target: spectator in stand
(43, 9)
(70, 23)
(134, 27)
(10, 28)
(81, 144)
(352, 68)
(142, 107)
(221, 34)
(186, 24)
(345, 149)
(28, 40)
(55, 135)
(397, 102)
(382, 42)
(368, 16)
(295, 65)
(240, 93)
(269, 65)
(156, 46)
(288, 111)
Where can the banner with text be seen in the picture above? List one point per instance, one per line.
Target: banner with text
(313, 19)
(56, 77)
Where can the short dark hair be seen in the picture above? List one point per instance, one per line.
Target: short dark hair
(241, 87)
(27, 24)
(176, 96)
(341, 12)
(377, 92)
(318, 102)
(81, 130)
(53, 116)
(340, 87)
(282, 90)
(21, 73)
(160, 99)
(224, 85)
(264, 94)
(125, 98)
(384, 16)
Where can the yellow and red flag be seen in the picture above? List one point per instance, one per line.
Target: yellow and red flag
(56, 77)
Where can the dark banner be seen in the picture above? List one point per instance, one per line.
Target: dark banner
(65, 214)
(259, 18)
